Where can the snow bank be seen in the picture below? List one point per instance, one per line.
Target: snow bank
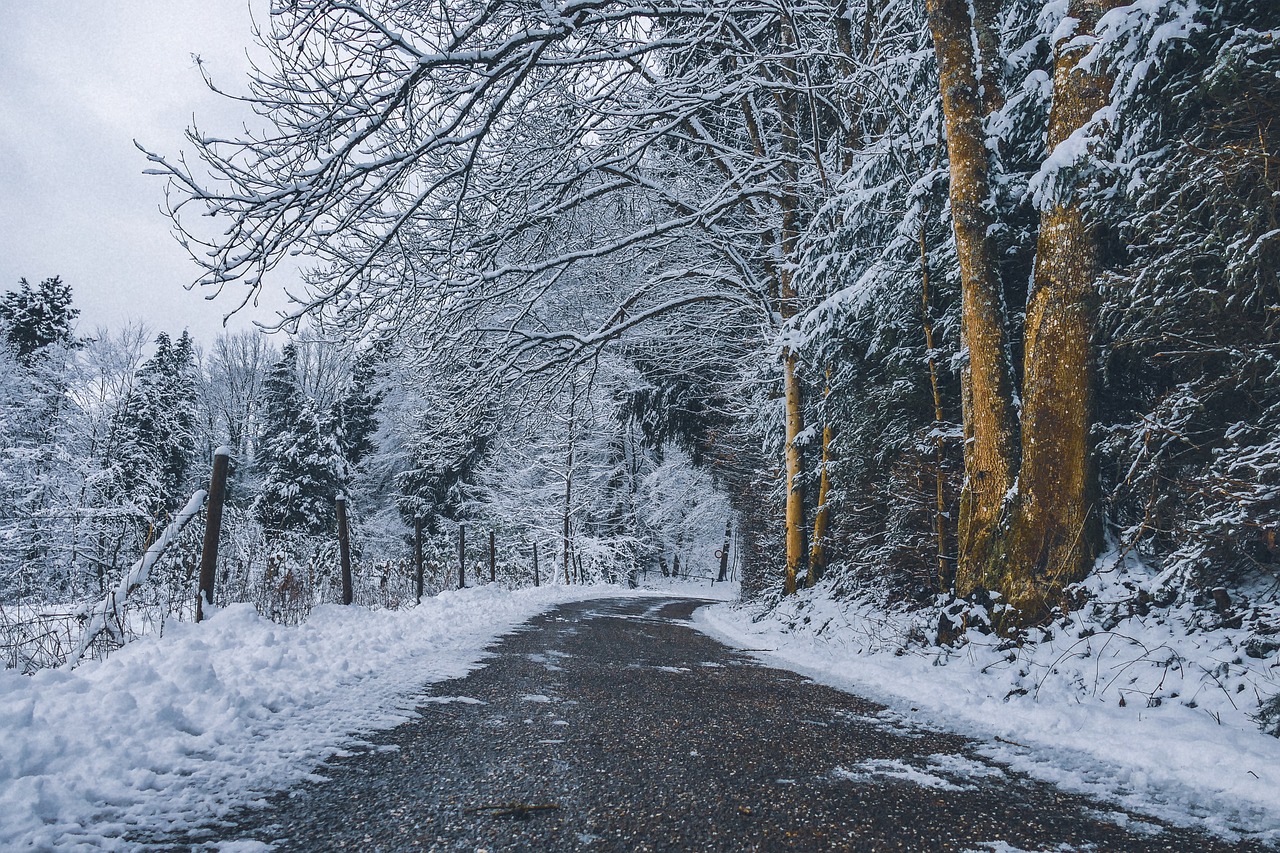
(182, 728)
(1181, 747)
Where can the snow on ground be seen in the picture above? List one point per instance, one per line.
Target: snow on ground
(694, 587)
(174, 730)
(1182, 746)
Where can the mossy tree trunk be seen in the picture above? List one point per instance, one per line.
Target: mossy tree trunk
(787, 104)
(822, 515)
(1055, 531)
(1025, 542)
(990, 448)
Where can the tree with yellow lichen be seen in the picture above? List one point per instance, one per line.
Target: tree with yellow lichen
(1029, 522)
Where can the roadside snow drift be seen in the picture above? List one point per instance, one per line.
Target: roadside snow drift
(170, 731)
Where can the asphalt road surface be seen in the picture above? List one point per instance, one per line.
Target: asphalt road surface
(613, 725)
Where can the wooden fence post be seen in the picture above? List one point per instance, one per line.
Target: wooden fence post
(535, 562)
(212, 530)
(493, 560)
(344, 549)
(724, 553)
(417, 555)
(462, 557)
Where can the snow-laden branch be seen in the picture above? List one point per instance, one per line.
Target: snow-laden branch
(406, 145)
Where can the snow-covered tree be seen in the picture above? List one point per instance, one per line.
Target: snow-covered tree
(300, 464)
(357, 409)
(806, 234)
(156, 431)
(36, 318)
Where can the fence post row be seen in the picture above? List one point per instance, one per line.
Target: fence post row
(535, 562)
(493, 560)
(724, 553)
(462, 557)
(344, 548)
(417, 555)
(212, 530)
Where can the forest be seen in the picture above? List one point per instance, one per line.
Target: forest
(949, 307)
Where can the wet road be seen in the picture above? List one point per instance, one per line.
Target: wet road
(614, 726)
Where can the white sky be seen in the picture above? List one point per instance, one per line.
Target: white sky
(79, 81)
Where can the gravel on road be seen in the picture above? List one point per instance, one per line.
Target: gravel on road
(612, 725)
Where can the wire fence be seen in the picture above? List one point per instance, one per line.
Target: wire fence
(282, 575)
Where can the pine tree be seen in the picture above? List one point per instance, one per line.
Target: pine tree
(156, 429)
(181, 399)
(357, 410)
(301, 478)
(36, 453)
(1190, 385)
(35, 319)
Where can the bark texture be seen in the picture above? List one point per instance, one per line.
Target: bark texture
(986, 28)
(795, 490)
(1054, 535)
(990, 451)
(822, 516)
(788, 241)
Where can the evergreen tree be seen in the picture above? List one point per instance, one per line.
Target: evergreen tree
(181, 394)
(301, 476)
(1190, 402)
(156, 429)
(446, 432)
(37, 455)
(35, 319)
(332, 447)
(357, 410)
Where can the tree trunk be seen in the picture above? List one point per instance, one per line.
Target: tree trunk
(462, 556)
(991, 62)
(568, 490)
(788, 242)
(1055, 532)
(990, 450)
(724, 553)
(822, 516)
(417, 557)
(944, 577)
(344, 549)
(795, 489)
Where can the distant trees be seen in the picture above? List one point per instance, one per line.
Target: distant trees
(357, 409)
(571, 185)
(37, 357)
(136, 415)
(102, 438)
(231, 391)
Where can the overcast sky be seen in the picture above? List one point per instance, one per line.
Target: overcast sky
(81, 80)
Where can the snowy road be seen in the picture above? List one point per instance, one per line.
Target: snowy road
(636, 732)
